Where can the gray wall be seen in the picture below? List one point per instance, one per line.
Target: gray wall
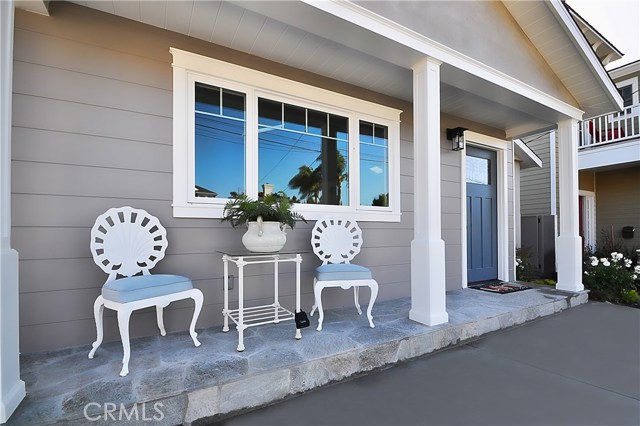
(92, 129)
(484, 30)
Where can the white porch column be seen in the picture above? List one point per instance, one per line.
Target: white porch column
(12, 389)
(428, 304)
(568, 243)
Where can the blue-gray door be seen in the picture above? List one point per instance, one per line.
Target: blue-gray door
(482, 216)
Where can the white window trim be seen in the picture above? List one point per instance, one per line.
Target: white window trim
(189, 67)
(633, 82)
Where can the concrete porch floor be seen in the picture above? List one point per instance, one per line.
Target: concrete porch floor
(214, 379)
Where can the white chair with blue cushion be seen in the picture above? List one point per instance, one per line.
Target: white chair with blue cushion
(126, 242)
(336, 242)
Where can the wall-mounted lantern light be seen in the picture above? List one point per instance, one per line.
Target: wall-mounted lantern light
(456, 136)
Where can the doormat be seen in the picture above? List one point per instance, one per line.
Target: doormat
(502, 288)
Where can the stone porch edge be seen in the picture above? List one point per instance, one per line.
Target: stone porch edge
(202, 406)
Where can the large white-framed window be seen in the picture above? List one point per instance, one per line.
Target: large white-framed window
(237, 130)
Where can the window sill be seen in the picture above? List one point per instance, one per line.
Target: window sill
(209, 211)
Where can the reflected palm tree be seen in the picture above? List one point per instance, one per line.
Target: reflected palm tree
(308, 181)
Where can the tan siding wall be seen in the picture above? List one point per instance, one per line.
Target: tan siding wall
(586, 181)
(618, 204)
(92, 129)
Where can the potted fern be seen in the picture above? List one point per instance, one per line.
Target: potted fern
(266, 219)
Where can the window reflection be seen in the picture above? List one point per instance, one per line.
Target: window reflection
(303, 152)
(374, 165)
(478, 170)
(219, 142)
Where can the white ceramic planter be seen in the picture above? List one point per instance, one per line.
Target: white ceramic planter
(264, 237)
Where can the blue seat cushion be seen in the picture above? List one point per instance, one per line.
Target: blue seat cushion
(144, 287)
(342, 271)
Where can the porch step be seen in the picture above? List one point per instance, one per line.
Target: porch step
(172, 382)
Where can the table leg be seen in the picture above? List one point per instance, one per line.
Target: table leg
(241, 325)
(225, 310)
(298, 262)
(276, 303)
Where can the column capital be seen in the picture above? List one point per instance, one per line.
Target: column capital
(426, 62)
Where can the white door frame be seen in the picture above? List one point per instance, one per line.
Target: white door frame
(589, 217)
(500, 147)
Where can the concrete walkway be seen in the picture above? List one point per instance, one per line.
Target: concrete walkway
(193, 385)
(578, 367)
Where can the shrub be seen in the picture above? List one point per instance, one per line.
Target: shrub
(524, 269)
(610, 279)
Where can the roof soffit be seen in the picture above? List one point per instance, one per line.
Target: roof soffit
(561, 43)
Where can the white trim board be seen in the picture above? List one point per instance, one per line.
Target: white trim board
(364, 18)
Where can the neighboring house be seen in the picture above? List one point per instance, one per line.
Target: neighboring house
(609, 164)
(139, 103)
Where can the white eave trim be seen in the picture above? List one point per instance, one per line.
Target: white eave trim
(623, 70)
(373, 22)
(563, 15)
(525, 154)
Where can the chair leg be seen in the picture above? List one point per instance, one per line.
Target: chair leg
(198, 298)
(314, 307)
(373, 285)
(159, 317)
(98, 310)
(317, 293)
(123, 325)
(356, 293)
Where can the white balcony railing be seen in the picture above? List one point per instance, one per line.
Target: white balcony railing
(610, 128)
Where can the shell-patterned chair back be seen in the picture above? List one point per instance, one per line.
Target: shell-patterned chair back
(336, 240)
(126, 241)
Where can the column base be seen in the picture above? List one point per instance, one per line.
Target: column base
(569, 257)
(428, 282)
(12, 389)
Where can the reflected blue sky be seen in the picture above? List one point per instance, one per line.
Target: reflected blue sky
(288, 137)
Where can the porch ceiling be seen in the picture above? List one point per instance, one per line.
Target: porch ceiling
(304, 37)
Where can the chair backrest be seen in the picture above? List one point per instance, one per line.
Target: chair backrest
(126, 241)
(336, 240)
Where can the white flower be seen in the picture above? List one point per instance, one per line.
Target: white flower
(518, 261)
(635, 277)
(586, 272)
(627, 263)
(594, 261)
(605, 262)
(637, 269)
(619, 256)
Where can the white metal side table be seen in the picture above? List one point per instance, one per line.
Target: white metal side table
(245, 317)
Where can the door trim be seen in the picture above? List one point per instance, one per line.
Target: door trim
(500, 147)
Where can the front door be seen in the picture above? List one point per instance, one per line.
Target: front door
(482, 215)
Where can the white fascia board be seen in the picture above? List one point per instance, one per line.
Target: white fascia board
(525, 153)
(564, 17)
(373, 22)
(609, 155)
(623, 70)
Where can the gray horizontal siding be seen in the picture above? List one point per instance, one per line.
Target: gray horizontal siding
(92, 129)
(535, 182)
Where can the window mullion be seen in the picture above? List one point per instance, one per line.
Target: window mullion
(251, 159)
(354, 162)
